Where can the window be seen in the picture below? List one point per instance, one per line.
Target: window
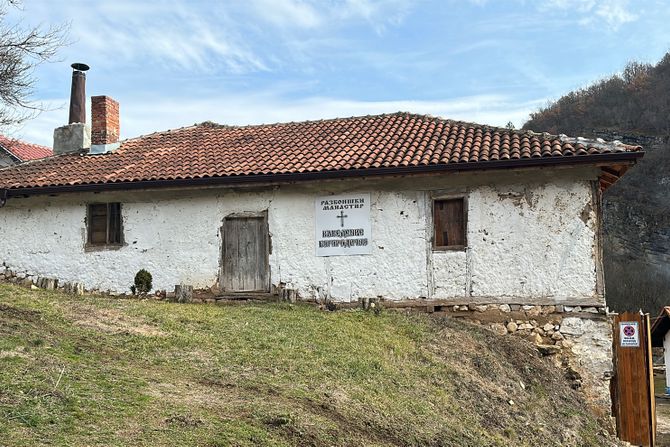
(449, 224)
(104, 224)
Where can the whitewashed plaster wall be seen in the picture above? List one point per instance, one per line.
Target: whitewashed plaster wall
(532, 238)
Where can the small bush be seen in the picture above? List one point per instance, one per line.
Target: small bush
(143, 283)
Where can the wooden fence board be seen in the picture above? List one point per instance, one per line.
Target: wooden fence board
(633, 387)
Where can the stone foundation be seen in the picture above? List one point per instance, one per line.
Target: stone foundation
(26, 279)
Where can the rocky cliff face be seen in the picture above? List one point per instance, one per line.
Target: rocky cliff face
(637, 228)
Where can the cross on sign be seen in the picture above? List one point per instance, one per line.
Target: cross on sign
(341, 217)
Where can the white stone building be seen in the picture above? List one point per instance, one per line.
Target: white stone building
(450, 212)
(413, 210)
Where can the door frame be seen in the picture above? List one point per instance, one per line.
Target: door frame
(268, 250)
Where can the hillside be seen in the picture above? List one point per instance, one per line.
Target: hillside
(100, 371)
(633, 107)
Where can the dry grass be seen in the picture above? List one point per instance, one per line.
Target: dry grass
(97, 371)
(110, 321)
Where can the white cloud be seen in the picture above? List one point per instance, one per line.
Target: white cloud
(288, 13)
(321, 16)
(209, 37)
(378, 13)
(169, 34)
(613, 13)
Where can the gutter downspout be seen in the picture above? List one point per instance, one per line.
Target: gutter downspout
(3, 197)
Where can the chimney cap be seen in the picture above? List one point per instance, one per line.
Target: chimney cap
(80, 66)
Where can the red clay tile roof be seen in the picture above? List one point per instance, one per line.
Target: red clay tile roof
(359, 145)
(24, 151)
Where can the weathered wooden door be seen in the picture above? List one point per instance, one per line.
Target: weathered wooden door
(632, 386)
(245, 253)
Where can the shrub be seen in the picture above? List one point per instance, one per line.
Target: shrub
(142, 284)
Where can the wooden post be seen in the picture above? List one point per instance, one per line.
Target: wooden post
(633, 401)
(183, 293)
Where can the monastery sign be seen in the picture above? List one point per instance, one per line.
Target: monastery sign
(342, 225)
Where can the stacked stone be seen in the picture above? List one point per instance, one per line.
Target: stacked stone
(543, 325)
(25, 279)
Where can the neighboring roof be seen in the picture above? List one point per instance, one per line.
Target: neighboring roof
(660, 327)
(359, 146)
(24, 151)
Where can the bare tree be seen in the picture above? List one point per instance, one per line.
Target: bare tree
(22, 49)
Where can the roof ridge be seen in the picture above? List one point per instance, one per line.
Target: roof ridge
(427, 116)
(193, 126)
(215, 125)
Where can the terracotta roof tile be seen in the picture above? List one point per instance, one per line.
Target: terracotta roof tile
(24, 151)
(357, 143)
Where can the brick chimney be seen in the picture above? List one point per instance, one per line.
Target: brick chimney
(104, 124)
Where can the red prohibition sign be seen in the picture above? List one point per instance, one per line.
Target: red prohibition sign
(628, 331)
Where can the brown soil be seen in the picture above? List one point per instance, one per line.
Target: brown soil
(111, 321)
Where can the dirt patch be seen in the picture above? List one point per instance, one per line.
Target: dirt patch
(19, 352)
(192, 394)
(13, 319)
(19, 314)
(196, 357)
(183, 421)
(112, 321)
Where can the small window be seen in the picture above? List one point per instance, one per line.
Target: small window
(104, 224)
(449, 224)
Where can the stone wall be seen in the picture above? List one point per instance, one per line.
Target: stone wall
(26, 279)
(531, 238)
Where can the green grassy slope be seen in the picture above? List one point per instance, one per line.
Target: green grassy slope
(98, 371)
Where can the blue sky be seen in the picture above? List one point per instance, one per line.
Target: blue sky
(176, 63)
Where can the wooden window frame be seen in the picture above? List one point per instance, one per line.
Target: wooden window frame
(108, 226)
(460, 247)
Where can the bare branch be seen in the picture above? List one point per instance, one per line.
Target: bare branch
(21, 51)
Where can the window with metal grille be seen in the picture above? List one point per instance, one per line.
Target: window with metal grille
(104, 224)
(449, 223)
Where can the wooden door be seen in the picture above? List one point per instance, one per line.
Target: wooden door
(632, 386)
(245, 254)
